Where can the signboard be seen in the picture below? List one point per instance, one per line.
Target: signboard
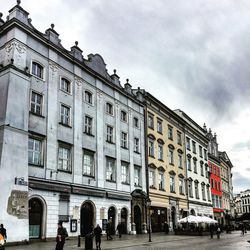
(102, 213)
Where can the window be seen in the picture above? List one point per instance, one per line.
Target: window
(203, 192)
(64, 158)
(88, 125)
(172, 184)
(65, 85)
(137, 176)
(151, 178)
(181, 186)
(88, 97)
(160, 151)
(188, 143)
(110, 134)
(189, 163)
(196, 187)
(171, 156)
(125, 172)
(35, 151)
(190, 189)
(202, 168)
(37, 70)
(194, 146)
(36, 103)
(170, 133)
(179, 139)
(124, 140)
(208, 193)
(180, 160)
(65, 115)
(195, 165)
(110, 170)
(109, 108)
(205, 154)
(124, 116)
(151, 148)
(161, 180)
(200, 151)
(136, 145)
(159, 126)
(136, 122)
(88, 163)
(63, 213)
(150, 121)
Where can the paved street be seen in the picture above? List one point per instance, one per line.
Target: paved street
(159, 242)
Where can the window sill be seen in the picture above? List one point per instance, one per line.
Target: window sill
(111, 181)
(195, 172)
(137, 185)
(171, 139)
(66, 92)
(35, 165)
(179, 144)
(110, 142)
(160, 132)
(151, 156)
(182, 194)
(35, 114)
(172, 164)
(65, 125)
(65, 171)
(173, 192)
(137, 152)
(126, 183)
(162, 189)
(38, 78)
(124, 147)
(180, 167)
(189, 170)
(152, 187)
(89, 176)
(89, 134)
(161, 160)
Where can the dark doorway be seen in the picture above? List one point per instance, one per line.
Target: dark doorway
(111, 218)
(158, 218)
(87, 218)
(35, 218)
(173, 217)
(137, 219)
(124, 220)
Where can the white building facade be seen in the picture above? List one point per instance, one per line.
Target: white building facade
(71, 138)
(197, 184)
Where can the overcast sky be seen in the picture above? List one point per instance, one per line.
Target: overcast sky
(193, 55)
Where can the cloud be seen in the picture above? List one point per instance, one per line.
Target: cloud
(242, 146)
(240, 182)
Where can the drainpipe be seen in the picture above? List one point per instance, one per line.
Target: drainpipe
(185, 157)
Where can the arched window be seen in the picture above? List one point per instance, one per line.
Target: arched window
(37, 70)
(65, 85)
(109, 108)
(88, 97)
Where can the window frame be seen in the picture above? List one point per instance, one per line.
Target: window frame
(136, 145)
(40, 76)
(159, 125)
(125, 165)
(67, 81)
(112, 177)
(150, 120)
(36, 104)
(151, 150)
(88, 97)
(137, 169)
(160, 151)
(41, 152)
(109, 108)
(124, 116)
(170, 132)
(62, 115)
(69, 160)
(172, 183)
(109, 136)
(124, 140)
(161, 183)
(91, 167)
(179, 138)
(88, 127)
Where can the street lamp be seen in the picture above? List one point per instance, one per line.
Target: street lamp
(149, 219)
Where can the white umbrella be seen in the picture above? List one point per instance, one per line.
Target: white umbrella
(190, 219)
(208, 220)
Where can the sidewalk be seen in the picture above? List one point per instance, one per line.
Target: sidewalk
(124, 242)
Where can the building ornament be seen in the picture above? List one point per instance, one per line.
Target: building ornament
(78, 80)
(53, 66)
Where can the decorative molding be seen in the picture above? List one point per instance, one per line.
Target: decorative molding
(53, 66)
(78, 81)
(15, 45)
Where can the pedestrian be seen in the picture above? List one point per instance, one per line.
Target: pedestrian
(62, 234)
(218, 232)
(108, 230)
(119, 229)
(242, 230)
(3, 232)
(98, 236)
(166, 227)
(211, 231)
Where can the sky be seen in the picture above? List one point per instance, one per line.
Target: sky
(192, 55)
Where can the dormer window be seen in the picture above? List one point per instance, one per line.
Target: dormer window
(109, 108)
(65, 85)
(88, 97)
(37, 70)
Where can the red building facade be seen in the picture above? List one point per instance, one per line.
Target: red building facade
(216, 189)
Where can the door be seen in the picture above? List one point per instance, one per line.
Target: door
(35, 218)
(111, 218)
(124, 220)
(137, 219)
(87, 218)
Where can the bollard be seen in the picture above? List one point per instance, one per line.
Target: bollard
(79, 241)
